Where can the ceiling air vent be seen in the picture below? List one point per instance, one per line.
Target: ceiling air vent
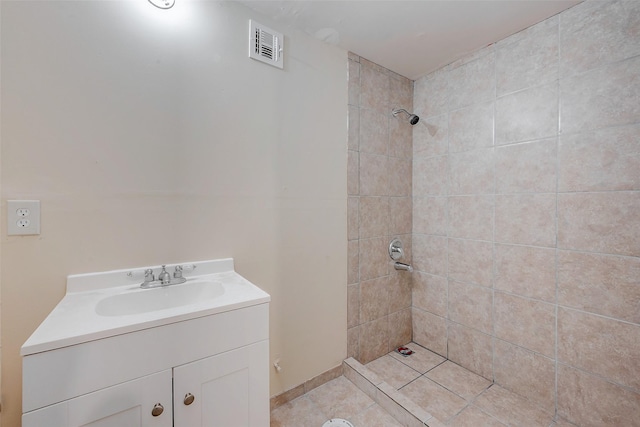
(265, 44)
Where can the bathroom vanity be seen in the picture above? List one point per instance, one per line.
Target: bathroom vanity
(112, 355)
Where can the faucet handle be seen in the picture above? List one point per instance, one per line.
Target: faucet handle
(178, 272)
(148, 276)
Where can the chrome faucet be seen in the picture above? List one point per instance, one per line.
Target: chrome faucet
(164, 277)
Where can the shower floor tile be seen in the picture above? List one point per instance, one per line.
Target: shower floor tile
(512, 409)
(422, 360)
(453, 395)
(459, 380)
(394, 372)
(338, 398)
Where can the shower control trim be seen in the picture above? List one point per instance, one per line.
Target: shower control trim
(395, 249)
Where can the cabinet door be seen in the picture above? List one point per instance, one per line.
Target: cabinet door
(230, 389)
(124, 405)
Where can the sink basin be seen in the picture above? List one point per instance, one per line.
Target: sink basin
(139, 301)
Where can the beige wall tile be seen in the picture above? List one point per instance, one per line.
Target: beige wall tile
(374, 175)
(472, 82)
(399, 290)
(354, 127)
(374, 299)
(471, 217)
(430, 215)
(353, 262)
(528, 58)
(353, 173)
(431, 95)
(527, 219)
(593, 34)
(527, 115)
(400, 92)
(477, 54)
(606, 96)
(600, 222)
(429, 293)
(430, 331)
(374, 217)
(606, 159)
(374, 132)
(400, 176)
(400, 137)
(472, 172)
(471, 261)
(400, 328)
(373, 258)
(527, 323)
(429, 176)
(602, 284)
(401, 211)
(471, 127)
(526, 373)
(374, 339)
(430, 254)
(471, 305)
(374, 87)
(603, 346)
(353, 305)
(430, 136)
(526, 270)
(353, 218)
(354, 83)
(526, 168)
(512, 409)
(353, 342)
(471, 349)
(589, 401)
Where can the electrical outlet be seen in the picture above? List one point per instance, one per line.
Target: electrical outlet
(23, 217)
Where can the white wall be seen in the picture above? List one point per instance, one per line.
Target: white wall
(150, 137)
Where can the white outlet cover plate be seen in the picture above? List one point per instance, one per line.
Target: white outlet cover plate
(23, 212)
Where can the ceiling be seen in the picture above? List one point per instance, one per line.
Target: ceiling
(410, 37)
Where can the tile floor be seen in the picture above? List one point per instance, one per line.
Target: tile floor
(452, 394)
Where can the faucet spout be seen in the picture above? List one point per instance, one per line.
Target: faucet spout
(164, 277)
(402, 266)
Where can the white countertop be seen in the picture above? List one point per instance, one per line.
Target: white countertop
(75, 320)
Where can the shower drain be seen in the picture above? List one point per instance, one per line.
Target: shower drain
(337, 422)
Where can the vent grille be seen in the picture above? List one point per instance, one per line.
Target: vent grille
(265, 45)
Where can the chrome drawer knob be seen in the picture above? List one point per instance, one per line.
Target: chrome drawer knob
(157, 410)
(188, 399)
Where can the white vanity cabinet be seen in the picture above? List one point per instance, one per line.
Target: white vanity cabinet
(227, 390)
(205, 368)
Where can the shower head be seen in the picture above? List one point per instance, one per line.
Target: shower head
(413, 119)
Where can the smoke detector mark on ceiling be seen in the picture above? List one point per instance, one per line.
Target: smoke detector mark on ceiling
(266, 45)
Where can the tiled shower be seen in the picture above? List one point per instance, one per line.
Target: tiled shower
(517, 197)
